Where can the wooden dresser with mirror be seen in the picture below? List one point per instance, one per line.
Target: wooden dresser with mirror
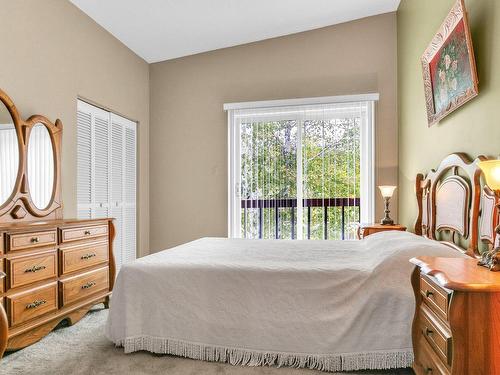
(51, 269)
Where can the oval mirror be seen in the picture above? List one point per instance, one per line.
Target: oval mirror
(40, 166)
(9, 154)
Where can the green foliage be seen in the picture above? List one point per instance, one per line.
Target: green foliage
(330, 169)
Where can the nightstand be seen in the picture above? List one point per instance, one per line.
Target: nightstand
(456, 328)
(367, 229)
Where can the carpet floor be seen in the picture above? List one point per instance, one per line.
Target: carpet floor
(83, 349)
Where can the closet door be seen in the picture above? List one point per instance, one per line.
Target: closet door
(92, 161)
(117, 167)
(107, 153)
(123, 186)
(129, 201)
(84, 161)
(101, 164)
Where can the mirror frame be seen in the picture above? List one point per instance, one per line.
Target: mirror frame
(16, 119)
(19, 206)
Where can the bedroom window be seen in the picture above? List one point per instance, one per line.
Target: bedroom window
(301, 168)
(106, 174)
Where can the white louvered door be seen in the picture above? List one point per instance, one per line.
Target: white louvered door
(101, 164)
(107, 174)
(123, 185)
(129, 202)
(84, 161)
(117, 166)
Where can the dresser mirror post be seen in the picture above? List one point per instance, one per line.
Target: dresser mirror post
(51, 269)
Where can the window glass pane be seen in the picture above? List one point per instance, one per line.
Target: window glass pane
(299, 172)
(331, 176)
(268, 162)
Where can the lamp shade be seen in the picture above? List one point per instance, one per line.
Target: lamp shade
(387, 190)
(491, 170)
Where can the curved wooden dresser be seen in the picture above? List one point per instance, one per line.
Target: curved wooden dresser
(456, 329)
(55, 270)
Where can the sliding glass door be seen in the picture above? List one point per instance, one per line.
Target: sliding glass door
(300, 172)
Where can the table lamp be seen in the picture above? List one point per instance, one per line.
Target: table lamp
(387, 192)
(491, 170)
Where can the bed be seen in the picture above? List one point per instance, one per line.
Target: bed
(326, 305)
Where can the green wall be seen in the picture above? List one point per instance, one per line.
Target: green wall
(475, 127)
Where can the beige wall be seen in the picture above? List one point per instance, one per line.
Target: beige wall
(51, 54)
(189, 128)
(473, 128)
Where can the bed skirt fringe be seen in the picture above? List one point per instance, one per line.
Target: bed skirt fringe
(378, 360)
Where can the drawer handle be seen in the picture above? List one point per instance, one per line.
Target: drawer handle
(35, 239)
(87, 256)
(428, 331)
(34, 269)
(35, 304)
(86, 233)
(428, 370)
(428, 293)
(89, 285)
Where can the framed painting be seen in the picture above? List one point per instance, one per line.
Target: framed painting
(449, 67)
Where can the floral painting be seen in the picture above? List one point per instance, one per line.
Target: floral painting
(450, 69)
(450, 77)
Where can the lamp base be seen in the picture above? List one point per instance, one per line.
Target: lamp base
(387, 221)
(491, 260)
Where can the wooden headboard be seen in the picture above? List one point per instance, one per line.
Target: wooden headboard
(454, 208)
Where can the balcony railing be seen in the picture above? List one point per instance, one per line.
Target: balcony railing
(291, 204)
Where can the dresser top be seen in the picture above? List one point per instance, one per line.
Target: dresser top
(42, 224)
(461, 274)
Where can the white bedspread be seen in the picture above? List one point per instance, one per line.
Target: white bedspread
(329, 305)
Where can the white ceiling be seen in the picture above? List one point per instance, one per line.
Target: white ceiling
(159, 30)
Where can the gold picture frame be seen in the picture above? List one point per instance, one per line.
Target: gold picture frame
(449, 67)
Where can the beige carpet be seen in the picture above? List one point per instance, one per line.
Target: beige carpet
(83, 349)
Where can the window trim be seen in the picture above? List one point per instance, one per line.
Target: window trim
(370, 97)
(368, 137)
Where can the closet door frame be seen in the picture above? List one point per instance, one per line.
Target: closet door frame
(112, 118)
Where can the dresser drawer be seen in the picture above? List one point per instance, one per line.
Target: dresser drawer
(82, 256)
(435, 297)
(29, 269)
(78, 287)
(437, 335)
(83, 233)
(32, 303)
(30, 240)
(428, 362)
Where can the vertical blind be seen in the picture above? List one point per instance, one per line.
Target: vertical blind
(9, 160)
(296, 171)
(106, 174)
